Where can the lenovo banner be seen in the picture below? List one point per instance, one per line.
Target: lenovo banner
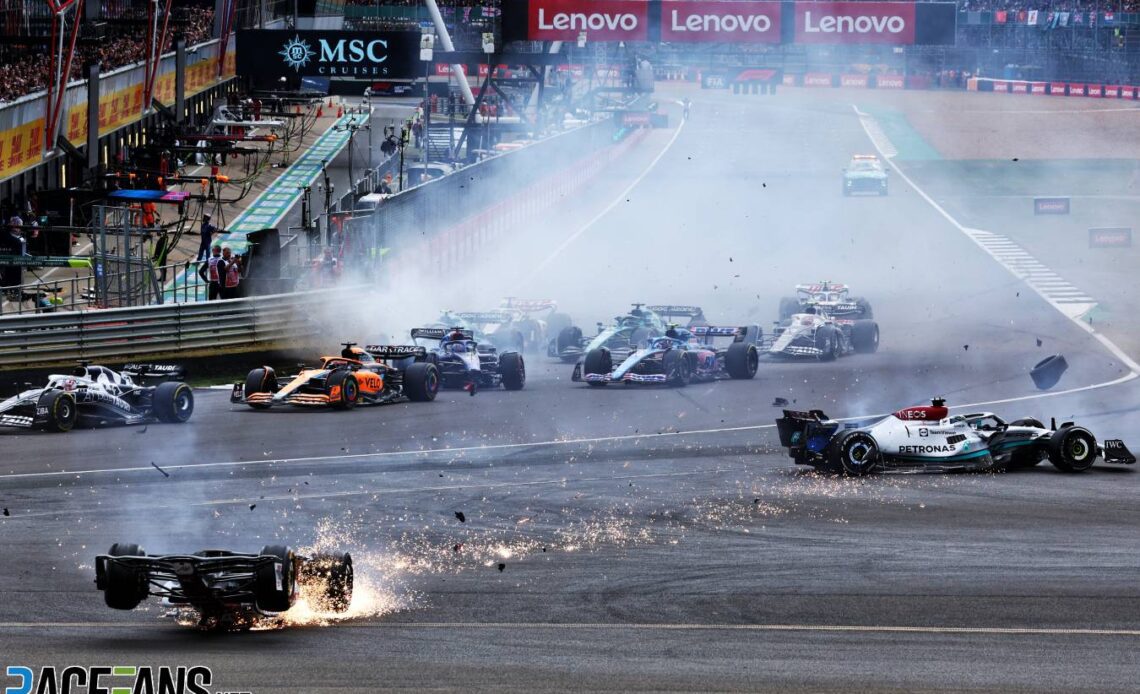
(269, 54)
(693, 21)
(599, 20)
(1057, 205)
(855, 22)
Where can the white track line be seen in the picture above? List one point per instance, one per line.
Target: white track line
(618, 626)
(1069, 309)
(617, 201)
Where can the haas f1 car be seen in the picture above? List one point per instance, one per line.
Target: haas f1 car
(378, 375)
(464, 362)
(228, 589)
(677, 358)
(95, 396)
(928, 439)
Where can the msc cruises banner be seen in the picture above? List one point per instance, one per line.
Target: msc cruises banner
(264, 54)
(731, 21)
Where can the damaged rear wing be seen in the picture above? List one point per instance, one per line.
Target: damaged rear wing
(792, 425)
(155, 371)
(387, 352)
(743, 333)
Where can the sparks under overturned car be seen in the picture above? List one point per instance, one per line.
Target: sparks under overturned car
(929, 439)
(95, 395)
(378, 375)
(229, 590)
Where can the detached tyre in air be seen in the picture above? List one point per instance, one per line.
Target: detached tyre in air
(173, 402)
(1072, 449)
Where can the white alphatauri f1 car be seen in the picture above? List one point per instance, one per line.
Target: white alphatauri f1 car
(928, 439)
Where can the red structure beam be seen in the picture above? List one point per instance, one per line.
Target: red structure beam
(60, 69)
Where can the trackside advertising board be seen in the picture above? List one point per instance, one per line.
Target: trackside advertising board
(1110, 237)
(265, 54)
(1050, 205)
(731, 21)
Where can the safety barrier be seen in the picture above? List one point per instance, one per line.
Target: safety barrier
(156, 332)
(1042, 87)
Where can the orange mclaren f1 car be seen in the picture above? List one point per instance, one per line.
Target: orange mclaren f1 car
(377, 375)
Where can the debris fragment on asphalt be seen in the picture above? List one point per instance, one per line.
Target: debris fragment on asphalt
(780, 402)
(252, 506)
(461, 516)
(502, 566)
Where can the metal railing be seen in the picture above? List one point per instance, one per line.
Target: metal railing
(155, 332)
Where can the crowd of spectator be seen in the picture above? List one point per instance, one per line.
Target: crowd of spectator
(24, 70)
(1050, 5)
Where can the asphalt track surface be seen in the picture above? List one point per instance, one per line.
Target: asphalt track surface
(629, 538)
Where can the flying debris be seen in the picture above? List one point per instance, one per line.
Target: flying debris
(461, 516)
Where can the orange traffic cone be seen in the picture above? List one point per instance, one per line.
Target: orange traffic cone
(339, 111)
(330, 102)
(320, 110)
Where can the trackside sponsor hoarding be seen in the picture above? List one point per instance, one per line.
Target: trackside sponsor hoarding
(1110, 237)
(601, 20)
(731, 21)
(1051, 205)
(855, 22)
(695, 21)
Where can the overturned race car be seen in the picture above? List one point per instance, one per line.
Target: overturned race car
(229, 590)
(677, 358)
(928, 439)
(377, 375)
(93, 395)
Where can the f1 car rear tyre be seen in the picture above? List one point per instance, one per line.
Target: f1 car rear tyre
(334, 572)
(741, 360)
(421, 381)
(789, 306)
(125, 587)
(854, 453)
(865, 336)
(275, 584)
(513, 370)
(173, 402)
(863, 307)
(598, 361)
(1072, 449)
(343, 390)
(61, 410)
(827, 341)
(259, 381)
(676, 369)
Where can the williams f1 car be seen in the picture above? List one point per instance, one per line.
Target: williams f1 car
(676, 358)
(928, 439)
(464, 362)
(378, 375)
(865, 174)
(95, 396)
(227, 589)
(817, 334)
(625, 335)
(833, 297)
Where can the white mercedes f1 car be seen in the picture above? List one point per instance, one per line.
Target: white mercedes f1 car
(928, 439)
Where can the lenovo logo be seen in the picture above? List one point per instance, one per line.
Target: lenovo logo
(598, 20)
(855, 22)
(704, 20)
